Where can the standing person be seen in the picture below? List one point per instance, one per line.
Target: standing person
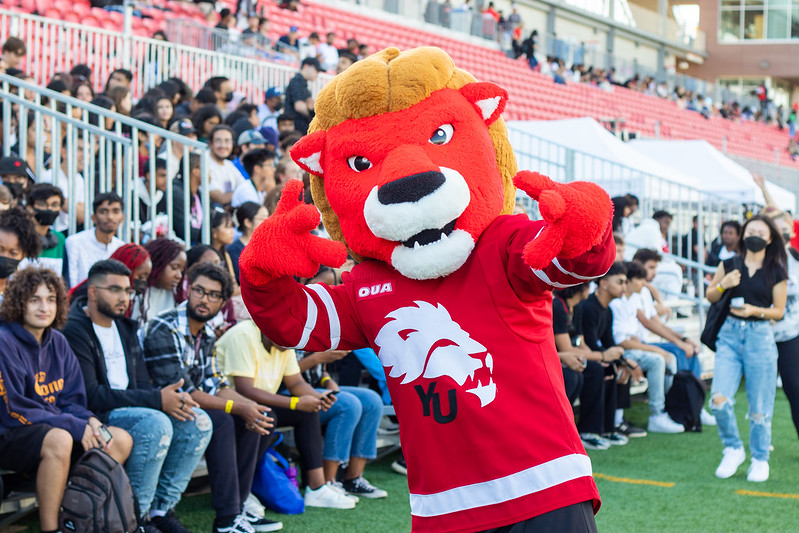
(223, 175)
(222, 237)
(14, 50)
(249, 216)
(259, 164)
(271, 108)
(745, 344)
(58, 177)
(18, 241)
(91, 245)
(179, 346)
(170, 433)
(726, 245)
(44, 421)
(168, 260)
(299, 102)
(44, 204)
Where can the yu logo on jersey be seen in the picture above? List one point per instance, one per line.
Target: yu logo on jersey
(423, 341)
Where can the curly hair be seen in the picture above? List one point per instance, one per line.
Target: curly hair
(24, 285)
(162, 252)
(19, 222)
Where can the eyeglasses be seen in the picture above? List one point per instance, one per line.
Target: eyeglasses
(116, 290)
(199, 292)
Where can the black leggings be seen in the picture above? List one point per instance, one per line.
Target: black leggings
(598, 399)
(307, 434)
(576, 518)
(788, 364)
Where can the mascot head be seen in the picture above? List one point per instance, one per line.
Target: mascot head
(409, 160)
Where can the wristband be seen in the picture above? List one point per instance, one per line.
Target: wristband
(322, 381)
(294, 401)
(719, 288)
(229, 406)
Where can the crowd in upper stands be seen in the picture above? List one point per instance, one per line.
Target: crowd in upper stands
(154, 341)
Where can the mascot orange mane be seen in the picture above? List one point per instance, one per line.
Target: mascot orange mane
(413, 174)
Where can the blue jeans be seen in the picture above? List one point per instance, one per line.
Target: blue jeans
(659, 383)
(352, 424)
(692, 364)
(745, 347)
(165, 453)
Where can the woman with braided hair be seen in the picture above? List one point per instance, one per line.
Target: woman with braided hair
(168, 261)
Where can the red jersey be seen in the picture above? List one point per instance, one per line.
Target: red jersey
(470, 359)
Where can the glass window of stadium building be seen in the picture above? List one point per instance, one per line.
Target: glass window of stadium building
(758, 20)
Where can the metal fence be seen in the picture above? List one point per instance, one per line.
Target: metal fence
(105, 145)
(56, 46)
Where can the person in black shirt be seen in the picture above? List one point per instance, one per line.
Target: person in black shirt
(299, 102)
(745, 344)
(594, 319)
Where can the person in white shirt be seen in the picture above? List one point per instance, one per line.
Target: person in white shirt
(271, 108)
(97, 243)
(260, 165)
(174, 158)
(328, 53)
(59, 178)
(659, 365)
(224, 177)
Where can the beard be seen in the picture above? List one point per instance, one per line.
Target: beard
(192, 312)
(110, 311)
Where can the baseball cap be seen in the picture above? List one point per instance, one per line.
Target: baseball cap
(272, 92)
(182, 127)
(313, 62)
(294, 28)
(251, 137)
(15, 166)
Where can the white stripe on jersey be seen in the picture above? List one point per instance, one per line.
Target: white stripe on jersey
(332, 313)
(540, 274)
(310, 322)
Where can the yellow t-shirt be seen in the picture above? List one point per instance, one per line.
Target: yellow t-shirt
(240, 352)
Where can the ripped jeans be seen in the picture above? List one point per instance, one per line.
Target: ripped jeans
(165, 453)
(745, 347)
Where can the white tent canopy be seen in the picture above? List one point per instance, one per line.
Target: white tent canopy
(717, 173)
(599, 156)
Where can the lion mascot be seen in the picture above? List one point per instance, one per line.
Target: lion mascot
(413, 174)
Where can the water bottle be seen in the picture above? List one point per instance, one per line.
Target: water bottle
(291, 472)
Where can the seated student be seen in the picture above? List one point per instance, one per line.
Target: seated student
(221, 237)
(594, 319)
(649, 257)
(89, 246)
(44, 204)
(170, 432)
(44, 421)
(158, 199)
(249, 216)
(18, 241)
(179, 345)
(256, 367)
(629, 333)
(260, 166)
(195, 212)
(168, 259)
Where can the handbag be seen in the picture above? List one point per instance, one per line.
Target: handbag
(718, 311)
(272, 485)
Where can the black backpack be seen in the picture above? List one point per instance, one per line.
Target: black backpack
(98, 497)
(685, 400)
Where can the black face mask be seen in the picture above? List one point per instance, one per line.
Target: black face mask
(755, 244)
(7, 266)
(278, 106)
(45, 217)
(229, 96)
(786, 237)
(139, 285)
(16, 189)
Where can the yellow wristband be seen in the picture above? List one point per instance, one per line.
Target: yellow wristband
(294, 402)
(229, 406)
(719, 288)
(322, 381)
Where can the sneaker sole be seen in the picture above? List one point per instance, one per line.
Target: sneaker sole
(368, 496)
(399, 470)
(271, 527)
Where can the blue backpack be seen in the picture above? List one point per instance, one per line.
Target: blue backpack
(272, 484)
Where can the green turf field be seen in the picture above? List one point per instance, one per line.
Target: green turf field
(686, 496)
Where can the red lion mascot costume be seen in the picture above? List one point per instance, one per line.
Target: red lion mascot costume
(413, 173)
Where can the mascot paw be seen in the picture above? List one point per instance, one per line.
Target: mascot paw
(283, 244)
(577, 215)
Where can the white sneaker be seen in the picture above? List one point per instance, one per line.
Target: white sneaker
(663, 423)
(327, 496)
(706, 418)
(758, 471)
(253, 506)
(733, 458)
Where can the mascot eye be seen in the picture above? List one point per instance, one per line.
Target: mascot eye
(442, 135)
(359, 163)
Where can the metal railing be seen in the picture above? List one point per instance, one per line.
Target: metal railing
(109, 157)
(56, 46)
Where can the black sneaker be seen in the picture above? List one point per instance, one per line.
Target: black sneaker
(615, 438)
(360, 487)
(399, 465)
(148, 527)
(169, 523)
(625, 428)
(237, 524)
(259, 523)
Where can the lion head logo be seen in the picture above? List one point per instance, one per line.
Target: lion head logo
(424, 341)
(410, 160)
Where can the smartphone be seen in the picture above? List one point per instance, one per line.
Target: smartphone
(331, 393)
(738, 301)
(105, 434)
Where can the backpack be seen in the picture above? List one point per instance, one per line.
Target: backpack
(98, 497)
(272, 484)
(685, 400)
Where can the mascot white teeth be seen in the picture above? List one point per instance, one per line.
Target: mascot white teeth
(414, 176)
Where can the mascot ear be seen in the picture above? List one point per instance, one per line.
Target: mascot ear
(487, 98)
(307, 152)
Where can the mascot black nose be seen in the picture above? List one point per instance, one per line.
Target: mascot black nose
(410, 188)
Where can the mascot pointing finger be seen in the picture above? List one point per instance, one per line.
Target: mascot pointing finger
(414, 177)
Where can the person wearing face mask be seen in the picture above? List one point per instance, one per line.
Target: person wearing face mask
(271, 108)
(223, 91)
(16, 176)
(745, 345)
(18, 240)
(44, 204)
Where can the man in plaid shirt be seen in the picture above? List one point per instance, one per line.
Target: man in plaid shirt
(179, 345)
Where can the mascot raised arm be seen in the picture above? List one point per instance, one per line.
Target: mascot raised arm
(414, 175)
